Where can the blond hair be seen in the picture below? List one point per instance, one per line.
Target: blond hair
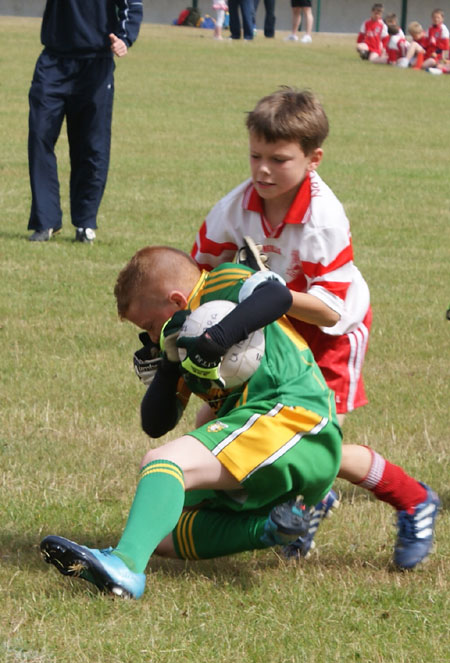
(414, 28)
(154, 269)
(290, 115)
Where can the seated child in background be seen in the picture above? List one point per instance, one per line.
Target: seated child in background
(372, 34)
(221, 7)
(421, 53)
(439, 35)
(395, 44)
(391, 20)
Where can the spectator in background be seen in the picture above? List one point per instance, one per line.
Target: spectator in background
(246, 8)
(421, 52)
(391, 20)
(372, 34)
(74, 78)
(438, 33)
(396, 45)
(269, 20)
(221, 7)
(300, 7)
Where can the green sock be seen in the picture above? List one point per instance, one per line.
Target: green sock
(203, 534)
(155, 511)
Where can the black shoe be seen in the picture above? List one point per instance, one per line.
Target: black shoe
(44, 235)
(85, 235)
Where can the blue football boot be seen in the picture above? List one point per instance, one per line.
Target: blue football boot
(100, 567)
(416, 531)
(304, 544)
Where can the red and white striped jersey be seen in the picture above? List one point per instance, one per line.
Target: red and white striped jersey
(439, 35)
(396, 47)
(373, 33)
(311, 249)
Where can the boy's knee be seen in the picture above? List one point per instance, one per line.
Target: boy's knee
(150, 456)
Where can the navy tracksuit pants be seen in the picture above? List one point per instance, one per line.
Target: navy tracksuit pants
(82, 91)
(247, 11)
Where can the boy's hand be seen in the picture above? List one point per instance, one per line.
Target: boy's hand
(203, 357)
(169, 334)
(147, 359)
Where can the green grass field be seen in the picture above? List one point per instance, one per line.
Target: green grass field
(70, 437)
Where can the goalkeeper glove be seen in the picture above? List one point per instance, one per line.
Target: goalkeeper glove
(147, 359)
(169, 335)
(251, 255)
(203, 357)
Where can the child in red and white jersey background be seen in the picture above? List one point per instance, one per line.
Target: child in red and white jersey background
(372, 35)
(395, 44)
(421, 53)
(438, 35)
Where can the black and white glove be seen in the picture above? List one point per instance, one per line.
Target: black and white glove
(251, 255)
(147, 359)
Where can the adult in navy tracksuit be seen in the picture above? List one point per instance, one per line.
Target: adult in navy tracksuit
(246, 8)
(74, 78)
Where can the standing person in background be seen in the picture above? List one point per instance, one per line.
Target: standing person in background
(74, 78)
(269, 20)
(299, 7)
(220, 7)
(247, 10)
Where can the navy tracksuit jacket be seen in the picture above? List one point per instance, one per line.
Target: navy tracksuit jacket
(74, 79)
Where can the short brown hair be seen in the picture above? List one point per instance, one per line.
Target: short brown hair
(290, 115)
(152, 267)
(378, 7)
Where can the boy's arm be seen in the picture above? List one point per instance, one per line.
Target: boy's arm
(264, 298)
(305, 307)
(311, 309)
(362, 34)
(163, 403)
(166, 397)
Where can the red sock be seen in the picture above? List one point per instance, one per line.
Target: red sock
(390, 483)
(419, 61)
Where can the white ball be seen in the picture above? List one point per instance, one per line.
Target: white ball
(242, 359)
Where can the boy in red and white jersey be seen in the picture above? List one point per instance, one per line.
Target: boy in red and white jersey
(395, 44)
(396, 47)
(305, 234)
(391, 21)
(288, 209)
(422, 50)
(439, 35)
(372, 34)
